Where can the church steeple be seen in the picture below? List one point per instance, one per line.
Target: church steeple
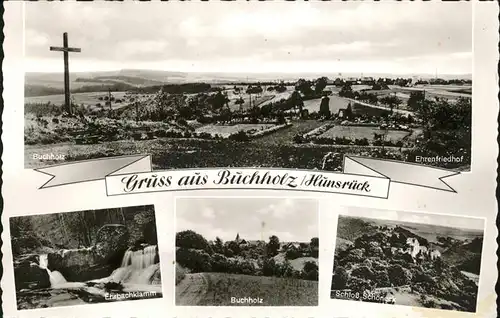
(237, 237)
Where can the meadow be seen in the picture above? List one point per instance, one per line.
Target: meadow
(217, 289)
(227, 130)
(360, 132)
(91, 98)
(336, 103)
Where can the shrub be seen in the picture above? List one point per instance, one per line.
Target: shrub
(340, 278)
(399, 275)
(293, 253)
(191, 239)
(382, 279)
(220, 263)
(239, 136)
(195, 260)
(363, 272)
(160, 133)
(298, 138)
(358, 284)
(270, 268)
(361, 142)
(310, 271)
(245, 267)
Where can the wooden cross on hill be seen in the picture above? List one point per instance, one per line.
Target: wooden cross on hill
(66, 49)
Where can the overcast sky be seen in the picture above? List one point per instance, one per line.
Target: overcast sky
(421, 218)
(252, 218)
(330, 37)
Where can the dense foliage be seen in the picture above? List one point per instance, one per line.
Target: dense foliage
(374, 259)
(239, 256)
(79, 229)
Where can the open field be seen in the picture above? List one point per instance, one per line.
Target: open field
(79, 98)
(336, 103)
(227, 130)
(297, 263)
(216, 289)
(375, 110)
(256, 101)
(450, 92)
(360, 132)
(92, 100)
(259, 100)
(285, 136)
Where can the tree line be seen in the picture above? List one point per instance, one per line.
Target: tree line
(239, 256)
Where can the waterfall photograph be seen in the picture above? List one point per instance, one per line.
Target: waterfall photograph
(93, 256)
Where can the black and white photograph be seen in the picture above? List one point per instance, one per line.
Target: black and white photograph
(248, 84)
(85, 257)
(246, 252)
(412, 259)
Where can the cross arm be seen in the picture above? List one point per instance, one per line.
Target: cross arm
(65, 49)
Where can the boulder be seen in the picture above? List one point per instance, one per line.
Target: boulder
(28, 275)
(111, 243)
(73, 257)
(156, 278)
(94, 262)
(82, 273)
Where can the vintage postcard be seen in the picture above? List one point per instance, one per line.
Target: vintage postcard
(249, 159)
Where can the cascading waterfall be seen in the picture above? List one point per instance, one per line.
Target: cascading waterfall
(55, 277)
(140, 259)
(137, 267)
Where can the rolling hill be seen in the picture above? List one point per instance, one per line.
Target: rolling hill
(217, 289)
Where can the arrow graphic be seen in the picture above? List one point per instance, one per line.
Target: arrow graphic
(354, 167)
(400, 172)
(92, 170)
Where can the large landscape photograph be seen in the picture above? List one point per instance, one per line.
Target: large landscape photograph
(235, 84)
(85, 257)
(246, 252)
(412, 259)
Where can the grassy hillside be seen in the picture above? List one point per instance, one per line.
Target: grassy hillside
(298, 263)
(466, 257)
(209, 289)
(349, 228)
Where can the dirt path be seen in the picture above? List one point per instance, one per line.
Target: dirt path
(191, 290)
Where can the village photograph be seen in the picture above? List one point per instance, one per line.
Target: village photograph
(85, 257)
(246, 252)
(235, 84)
(412, 259)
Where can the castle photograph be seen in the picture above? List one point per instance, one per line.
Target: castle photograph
(413, 259)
